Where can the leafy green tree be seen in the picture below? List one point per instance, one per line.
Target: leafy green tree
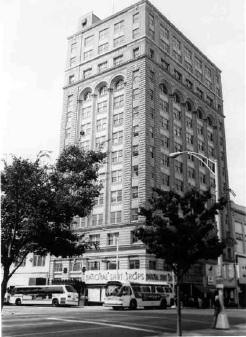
(182, 231)
(39, 202)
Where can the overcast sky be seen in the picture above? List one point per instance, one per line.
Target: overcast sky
(34, 39)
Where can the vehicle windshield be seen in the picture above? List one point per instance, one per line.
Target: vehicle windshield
(70, 289)
(113, 290)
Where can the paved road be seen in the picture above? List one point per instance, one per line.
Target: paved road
(29, 321)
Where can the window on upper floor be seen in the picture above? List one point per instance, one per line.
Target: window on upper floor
(135, 150)
(136, 52)
(135, 93)
(97, 219)
(134, 263)
(116, 196)
(101, 124)
(189, 138)
(102, 107)
(151, 20)
(134, 192)
(115, 217)
(118, 102)
(95, 239)
(88, 41)
(177, 75)
(151, 53)
(135, 130)
(88, 54)
(165, 65)
(164, 160)
(118, 60)
(71, 79)
(103, 34)
(69, 103)
(116, 176)
(135, 75)
(179, 186)
(164, 33)
(93, 265)
(191, 172)
(117, 138)
(87, 73)
(134, 171)
(102, 66)
(119, 27)
(135, 33)
(165, 180)
(73, 48)
(135, 18)
(119, 41)
(38, 261)
(178, 167)
(103, 48)
(118, 119)
(117, 157)
(72, 61)
(188, 83)
(119, 85)
(134, 214)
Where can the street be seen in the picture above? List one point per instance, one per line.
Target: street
(35, 321)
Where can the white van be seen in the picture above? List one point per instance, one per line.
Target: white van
(135, 295)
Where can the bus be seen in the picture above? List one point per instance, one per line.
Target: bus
(50, 294)
(135, 295)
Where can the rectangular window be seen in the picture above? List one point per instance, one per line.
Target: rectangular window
(88, 41)
(69, 103)
(210, 101)
(118, 102)
(189, 84)
(116, 176)
(151, 20)
(189, 138)
(77, 266)
(135, 18)
(135, 94)
(210, 151)
(176, 44)
(135, 75)
(135, 130)
(102, 66)
(177, 75)
(135, 112)
(178, 167)
(191, 173)
(199, 93)
(57, 266)
(210, 136)
(134, 214)
(119, 41)
(38, 261)
(93, 265)
(200, 129)
(177, 147)
(71, 79)
(87, 73)
(118, 119)
(201, 145)
(135, 171)
(166, 142)
(165, 65)
(103, 48)
(99, 200)
(152, 75)
(134, 239)
(151, 94)
(151, 53)
(134, 263)
(165, 180)
(135, 150)
(163, 105)
(103, 34)
(165, 123)
(179, 186)
(152, 265)
(73, 48)
(118, 60)
(86, 129)
(176, 114)
(136, 52)
(100, 141)
(119, 27)
(134, 192)
(135, 33)
(88, 54)
(164, 34)
(177, 131)
(102, 107)
(202, 178)
(164, 160)
(95, 239)
(86, 112)
(188, 121)
(187, 55)
(72, 61)
(101, 124)
(115, 217)
(97, 219)
(117, 157)
(117, 138)
(112, 239)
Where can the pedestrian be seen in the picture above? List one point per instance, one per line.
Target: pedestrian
(217, 308)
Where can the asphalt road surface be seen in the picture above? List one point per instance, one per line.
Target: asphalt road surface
(35, 321)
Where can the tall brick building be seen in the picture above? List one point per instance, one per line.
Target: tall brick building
(136, 87)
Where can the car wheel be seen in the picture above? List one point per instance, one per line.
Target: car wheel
(18, 301)
(133, 305)
(55, 302)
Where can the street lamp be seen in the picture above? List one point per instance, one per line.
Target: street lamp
(206, 161)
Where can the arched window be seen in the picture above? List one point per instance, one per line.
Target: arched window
(199, 114)
(102, 91)
(210, 122)
(163, 89)
(119, 85)
(87, 96)
(176, 98)
(188, 106)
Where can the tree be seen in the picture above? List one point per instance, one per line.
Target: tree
(38, 205)
(182, 231)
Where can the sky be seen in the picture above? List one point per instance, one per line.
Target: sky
(34, 45)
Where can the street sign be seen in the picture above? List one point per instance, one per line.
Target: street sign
(219, 282)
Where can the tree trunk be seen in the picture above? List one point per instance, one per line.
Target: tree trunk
(4, 284)
(179, 326)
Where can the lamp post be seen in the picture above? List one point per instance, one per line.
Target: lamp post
(206, 161)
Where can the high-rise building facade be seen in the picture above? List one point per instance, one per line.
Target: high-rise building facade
(138, 89)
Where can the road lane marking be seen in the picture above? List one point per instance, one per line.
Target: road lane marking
(102, 323)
